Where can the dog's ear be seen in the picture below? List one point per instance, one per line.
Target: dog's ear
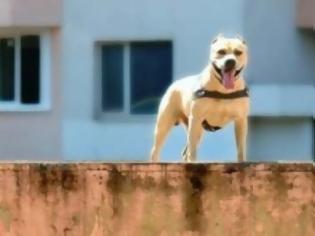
(241, 39)
(217, 37)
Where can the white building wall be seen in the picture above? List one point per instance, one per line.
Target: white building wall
(282, 74)
(34, 132)
(190, 25)
(279, 51)
(281, 139)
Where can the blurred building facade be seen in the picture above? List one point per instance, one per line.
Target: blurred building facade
(80, 80)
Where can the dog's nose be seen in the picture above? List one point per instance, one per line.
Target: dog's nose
(230, 64)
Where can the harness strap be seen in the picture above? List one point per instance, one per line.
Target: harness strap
(209, 127)
(202, 93)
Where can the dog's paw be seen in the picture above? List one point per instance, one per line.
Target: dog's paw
(154, 159)
(187, 159)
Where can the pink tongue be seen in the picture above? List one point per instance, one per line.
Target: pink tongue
(228, 79)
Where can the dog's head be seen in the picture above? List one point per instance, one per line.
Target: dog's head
(228, 57)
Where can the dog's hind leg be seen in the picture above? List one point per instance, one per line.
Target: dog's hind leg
(165, 122)
(184, 152)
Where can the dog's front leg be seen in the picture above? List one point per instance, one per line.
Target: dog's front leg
(240, 136)
(193, 138)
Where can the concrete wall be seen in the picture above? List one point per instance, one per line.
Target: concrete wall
(167, 199)
(36, 135)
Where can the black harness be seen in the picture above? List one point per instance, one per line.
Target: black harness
(209, 127)
(202, 93)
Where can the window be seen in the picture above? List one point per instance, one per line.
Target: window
(20, 72)
(30, 69)
(7, 69)
(135, 76)
(112, 82)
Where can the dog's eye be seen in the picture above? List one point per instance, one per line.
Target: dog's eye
(238, 52)
(222, 52)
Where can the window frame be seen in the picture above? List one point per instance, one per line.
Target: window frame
(44, 72)
(125, 114)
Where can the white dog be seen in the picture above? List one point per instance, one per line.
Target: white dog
(208, 101)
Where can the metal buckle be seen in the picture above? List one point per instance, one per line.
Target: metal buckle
(201, 93)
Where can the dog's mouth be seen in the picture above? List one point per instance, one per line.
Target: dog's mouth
(227, 76)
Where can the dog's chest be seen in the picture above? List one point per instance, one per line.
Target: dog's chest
(221, 112)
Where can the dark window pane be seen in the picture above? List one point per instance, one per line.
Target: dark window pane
(151, 73)
(6, 69)
(112, 78)
(30, 64)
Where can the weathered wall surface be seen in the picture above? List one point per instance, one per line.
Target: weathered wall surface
(157, 199)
